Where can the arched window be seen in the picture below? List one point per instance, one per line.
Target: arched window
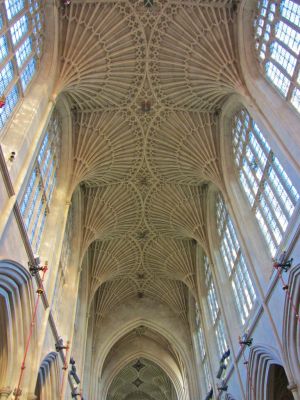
(268, 188)
(35, 204)
(21, 41)
(277, 29)
(202, 350)
(214, 309)
(234, 261)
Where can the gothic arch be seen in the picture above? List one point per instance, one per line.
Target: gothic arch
(16, 301)
(156, 359)
(186, 366)
(291, 327)
(47, 386)
(263, 361)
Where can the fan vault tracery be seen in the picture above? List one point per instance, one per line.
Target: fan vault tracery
(145, 84)
(148, 383)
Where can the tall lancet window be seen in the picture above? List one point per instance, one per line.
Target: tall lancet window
(21, 45)
(269, 190)
(202, 350)
(234, 261)
(214, 309)
(35, 204)
(277, 29)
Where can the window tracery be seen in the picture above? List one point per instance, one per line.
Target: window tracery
(21, 45)
(214, 309)
(234, 261)
(277, 32)
(35, 204)
(202, 350)
(268, 188)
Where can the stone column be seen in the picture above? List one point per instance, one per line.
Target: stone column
(294, 389)
(5, 392)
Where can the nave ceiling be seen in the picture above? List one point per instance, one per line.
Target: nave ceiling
(146, 85)
(144, 174)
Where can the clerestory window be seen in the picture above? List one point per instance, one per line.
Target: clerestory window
(268, 188)
(21, 46)
(277, 31)
(214, 309)
(35, 204)
(202, 350)
(234, 261)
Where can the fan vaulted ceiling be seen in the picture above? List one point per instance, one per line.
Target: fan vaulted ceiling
(140, 378)
(145, 83)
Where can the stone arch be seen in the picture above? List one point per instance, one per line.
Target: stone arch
(265, 364)
(16, 303)
(291, 326)
(156, 359)
(188, 372)
(47, 385)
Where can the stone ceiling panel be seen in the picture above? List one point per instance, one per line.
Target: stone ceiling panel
(110, 212)
(102, 56)
(182, 148)
(178, 211)
(172, 259)
(192, 58)
(107, 147)
(111, 259)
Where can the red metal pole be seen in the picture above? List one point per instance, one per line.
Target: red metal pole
(40, 290)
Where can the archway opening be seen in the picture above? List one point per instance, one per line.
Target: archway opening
(277, 384)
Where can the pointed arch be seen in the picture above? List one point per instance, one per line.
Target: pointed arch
(47, 385)
(16, 301)
(263, 361)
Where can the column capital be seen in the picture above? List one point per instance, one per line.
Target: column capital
(292, 386)
(5, 392)
(31, 396)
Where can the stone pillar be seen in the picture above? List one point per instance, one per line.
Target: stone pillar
(294, 389)
(5, 392)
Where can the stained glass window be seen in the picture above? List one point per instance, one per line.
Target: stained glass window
(234, 261)
(21, 43)
(277, 31)
(269, 190)
(35, 204)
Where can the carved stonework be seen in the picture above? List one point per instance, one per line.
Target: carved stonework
(5, 392)
(145, 106)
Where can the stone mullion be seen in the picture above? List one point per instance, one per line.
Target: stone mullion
(264, 27)
(244, 144)
(294, 79)
(31, 198)
(34, 216)
(230, 319)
